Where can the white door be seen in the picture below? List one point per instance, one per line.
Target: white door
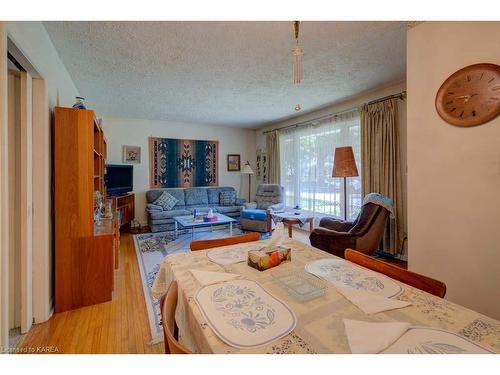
(26, 202)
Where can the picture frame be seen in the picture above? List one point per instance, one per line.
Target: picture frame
(233, 162)
(131, 154)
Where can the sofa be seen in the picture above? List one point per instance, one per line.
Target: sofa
(200, 198)
(256, 216)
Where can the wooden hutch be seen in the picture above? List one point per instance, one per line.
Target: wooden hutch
(86, 254)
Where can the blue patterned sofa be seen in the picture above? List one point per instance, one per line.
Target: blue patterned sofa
(200, 198)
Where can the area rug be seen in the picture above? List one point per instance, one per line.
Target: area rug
(151, 248)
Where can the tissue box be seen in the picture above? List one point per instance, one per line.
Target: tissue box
(207, 219)
(265, 258)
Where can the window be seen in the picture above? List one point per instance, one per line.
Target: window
(306, 155)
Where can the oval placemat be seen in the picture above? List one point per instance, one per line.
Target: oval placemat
(243, 314)
(425, 340)
(345, 274)
(232, 254)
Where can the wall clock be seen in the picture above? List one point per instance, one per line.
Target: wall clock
(470, 96)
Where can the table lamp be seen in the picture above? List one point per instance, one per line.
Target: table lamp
(249, 171)
(344, 166)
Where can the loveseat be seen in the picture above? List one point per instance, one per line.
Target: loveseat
(200, 198)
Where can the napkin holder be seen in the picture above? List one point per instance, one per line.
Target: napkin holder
(266, 258)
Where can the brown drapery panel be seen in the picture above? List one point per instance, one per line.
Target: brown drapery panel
(273, 157)
(380, 164)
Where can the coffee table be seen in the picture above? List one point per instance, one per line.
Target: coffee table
(291, 218)
(189, 222)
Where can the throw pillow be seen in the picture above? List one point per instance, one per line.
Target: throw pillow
(166, 200)
(227, 198)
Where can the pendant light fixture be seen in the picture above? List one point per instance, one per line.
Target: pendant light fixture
(297, 54)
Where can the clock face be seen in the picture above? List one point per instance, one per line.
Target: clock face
(470, 96)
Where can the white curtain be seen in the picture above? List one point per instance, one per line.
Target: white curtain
(306, 155)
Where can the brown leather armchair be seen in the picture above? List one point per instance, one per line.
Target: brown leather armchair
(363, 234)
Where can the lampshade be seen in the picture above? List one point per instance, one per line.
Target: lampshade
(344, 164)
(247, 169)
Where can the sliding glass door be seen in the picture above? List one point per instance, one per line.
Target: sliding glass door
(306, 154)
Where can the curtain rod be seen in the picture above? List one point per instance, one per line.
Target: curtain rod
(401, 95)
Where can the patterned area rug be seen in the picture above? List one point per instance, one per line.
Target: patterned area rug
(151, 248)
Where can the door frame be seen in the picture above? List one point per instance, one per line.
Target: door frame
(4, 192)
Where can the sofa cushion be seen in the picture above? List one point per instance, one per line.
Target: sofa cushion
(166, 201)
(226, 209)
(260, 215)
(196, 196)
(214, 193)
(227, 198)
(152, 195)
(169, 214)
(153, 207)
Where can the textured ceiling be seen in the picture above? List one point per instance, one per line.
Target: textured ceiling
(225, 73)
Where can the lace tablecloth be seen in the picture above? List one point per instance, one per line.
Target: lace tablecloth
(320, 327)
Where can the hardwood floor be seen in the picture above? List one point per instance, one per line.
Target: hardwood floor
(118, 326)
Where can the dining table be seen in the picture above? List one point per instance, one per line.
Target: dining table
(320, 322)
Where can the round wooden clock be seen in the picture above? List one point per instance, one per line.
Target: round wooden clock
(470, 96)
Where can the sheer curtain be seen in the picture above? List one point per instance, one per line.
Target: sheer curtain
(306, 155)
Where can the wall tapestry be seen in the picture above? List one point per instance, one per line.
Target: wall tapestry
(261, 174)
(179, 163)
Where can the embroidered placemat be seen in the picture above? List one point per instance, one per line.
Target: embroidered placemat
(232, 254)
(425, 340)
(244, 315)
(345, 274)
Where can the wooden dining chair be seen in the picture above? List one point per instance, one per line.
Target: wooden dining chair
(416, 280)
(209, 244)
(168, 305)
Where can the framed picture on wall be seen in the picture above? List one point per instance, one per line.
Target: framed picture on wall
(131, 154)
(233, 163)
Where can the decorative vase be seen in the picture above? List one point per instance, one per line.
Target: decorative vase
(80, 103)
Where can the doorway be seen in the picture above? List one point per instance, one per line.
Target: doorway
(20, 202)
(27, 289)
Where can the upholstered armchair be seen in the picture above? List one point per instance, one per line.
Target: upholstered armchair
(363, 234)
(256, 216)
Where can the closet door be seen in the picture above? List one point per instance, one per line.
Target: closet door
(26, 213)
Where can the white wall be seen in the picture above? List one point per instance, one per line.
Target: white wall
(350, 103)
(33, 41)
(453, 173)
(126, 131)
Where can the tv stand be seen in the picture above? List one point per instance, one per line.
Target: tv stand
(124, 205)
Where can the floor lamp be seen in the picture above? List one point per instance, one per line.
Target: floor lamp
(344, 166)
(249, 171)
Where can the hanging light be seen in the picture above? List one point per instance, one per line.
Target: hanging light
(297, 108)
(297, 54)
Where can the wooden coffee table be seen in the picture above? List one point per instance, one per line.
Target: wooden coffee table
(290, 219)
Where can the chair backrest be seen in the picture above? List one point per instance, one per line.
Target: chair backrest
(268, 195)
(416, 280)
(369, 227)
(170, 330)
(218, 242)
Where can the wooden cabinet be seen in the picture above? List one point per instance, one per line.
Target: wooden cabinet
(84, 256)
(125, 206)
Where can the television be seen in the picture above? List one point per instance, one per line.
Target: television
(119, 179)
